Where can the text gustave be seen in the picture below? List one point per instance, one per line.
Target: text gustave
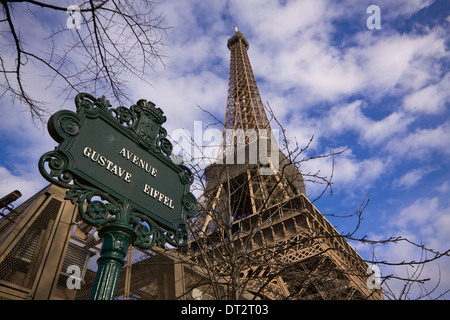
(122, 173)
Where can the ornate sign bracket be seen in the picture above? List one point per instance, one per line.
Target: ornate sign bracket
(115, 164)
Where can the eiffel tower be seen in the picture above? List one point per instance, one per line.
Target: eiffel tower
(256, 219)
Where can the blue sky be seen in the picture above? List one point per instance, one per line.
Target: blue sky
(382, 93)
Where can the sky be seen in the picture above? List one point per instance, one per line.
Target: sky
(326, 72)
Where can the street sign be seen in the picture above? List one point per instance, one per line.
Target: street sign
(115, 163)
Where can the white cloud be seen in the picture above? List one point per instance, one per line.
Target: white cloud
(431, 99)
(179, 96)
(412, 177)
(445, 187)
(429, 216)
(350, 117)
(352, 176)
(27, 184)
(392, 9)
(418, 213)
(277, 21)
(379, 131)
(425, 221)
(422, 143)
(404, 60)
(358, 172)
(375, 66)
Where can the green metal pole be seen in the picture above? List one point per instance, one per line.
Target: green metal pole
(116, 240)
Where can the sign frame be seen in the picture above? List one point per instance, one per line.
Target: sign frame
(102, 202)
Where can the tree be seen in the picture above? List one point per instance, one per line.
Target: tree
(102, 43)
(241, 258)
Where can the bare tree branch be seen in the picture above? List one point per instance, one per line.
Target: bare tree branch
(115, 40)
(223, 239)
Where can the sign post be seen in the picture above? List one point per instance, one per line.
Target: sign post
(115, 164)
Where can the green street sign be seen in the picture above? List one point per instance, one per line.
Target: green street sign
(115, 163)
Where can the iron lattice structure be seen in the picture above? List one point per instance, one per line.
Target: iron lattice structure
(262, 225)
(245, 109)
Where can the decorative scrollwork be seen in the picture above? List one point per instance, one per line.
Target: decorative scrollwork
(124, 116)
(178, 238)
(70, 126)
(97, 212)
(103, 103)
(190, 204)
(186, 175)
(87, 102)
(143, 119)
(63, 125)
(149, 233)
(163, 143)
(82, 103)
(53, 166)
(94, 206)
(144, 237)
